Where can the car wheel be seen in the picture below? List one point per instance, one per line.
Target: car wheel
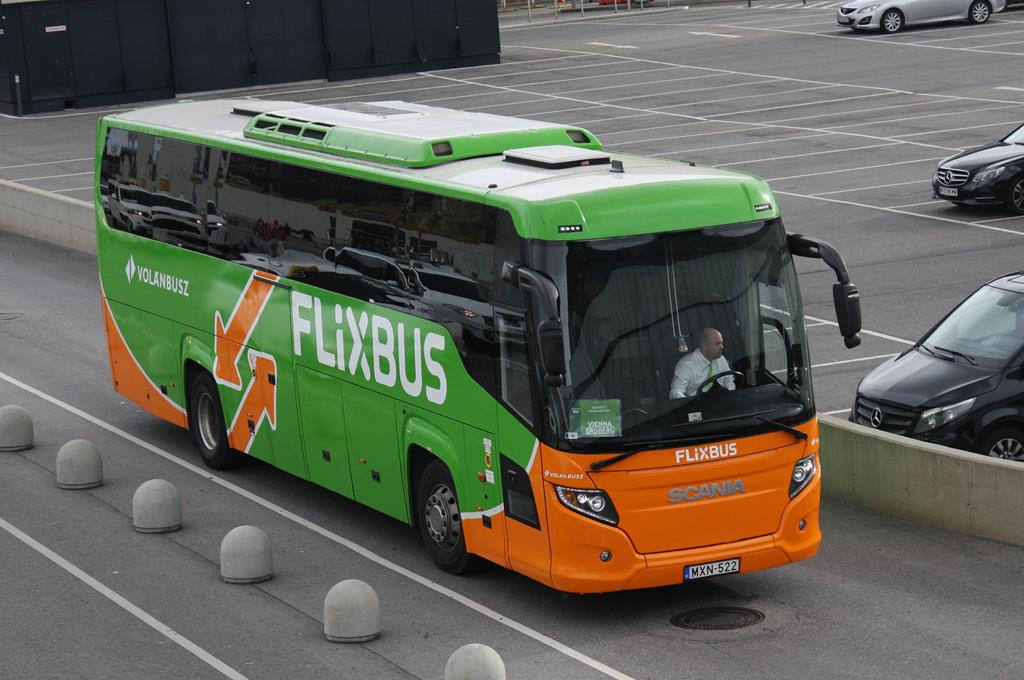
(440, 521)
(206, 420)
(979, 12)
(892, 21)
(1004, 442)
(1015, 195)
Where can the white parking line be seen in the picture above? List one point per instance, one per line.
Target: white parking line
(927, 115)
(723, 146)
(853, 361)
(32, 179)
(958, 129)
(970, 36)
(331, 536)
(863, 167)
(863, 331)
(124, 603)
(804, 155)
(836, 412)
(877, 186)
(909, 205)
(906, 213)
(30, 165)
(64, 191)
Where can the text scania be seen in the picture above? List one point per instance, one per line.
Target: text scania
(369, 345)
(699, 454)
(694, 493)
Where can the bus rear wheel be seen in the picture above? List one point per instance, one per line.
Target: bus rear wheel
(206, 420)
(439, 520)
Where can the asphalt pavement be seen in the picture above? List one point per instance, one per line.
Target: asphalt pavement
(848, 129)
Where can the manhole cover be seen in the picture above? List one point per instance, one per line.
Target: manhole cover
(717, 618)
(9, 316)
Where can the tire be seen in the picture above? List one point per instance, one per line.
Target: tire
(1015, 195)
(1003, 442)
(891, 21)
(206, 420)
(440, 521)
(979, 12)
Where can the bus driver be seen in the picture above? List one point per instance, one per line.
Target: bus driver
(695, 368)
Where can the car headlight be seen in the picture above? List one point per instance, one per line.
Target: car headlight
(937, 417)
(988, 175)
(868, 10)
(590, 502)
(803, 472)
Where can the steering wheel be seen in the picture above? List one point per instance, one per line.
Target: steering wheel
(712, 379)
(635, 409)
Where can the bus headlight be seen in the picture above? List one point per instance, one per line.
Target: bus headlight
(803, 473)
(593, 503)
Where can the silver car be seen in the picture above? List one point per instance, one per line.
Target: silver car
(890, 16)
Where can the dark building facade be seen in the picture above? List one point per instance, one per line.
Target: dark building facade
(57, 54)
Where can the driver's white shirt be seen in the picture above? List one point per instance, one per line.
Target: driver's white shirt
(692, 370)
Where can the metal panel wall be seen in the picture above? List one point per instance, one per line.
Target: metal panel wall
(44, 28)
(95, 48)
(145, 46)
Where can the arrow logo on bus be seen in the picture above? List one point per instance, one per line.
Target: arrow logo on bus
(258, 402)
(229, 340)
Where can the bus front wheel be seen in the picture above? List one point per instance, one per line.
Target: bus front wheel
(440, 521)
(206, 420)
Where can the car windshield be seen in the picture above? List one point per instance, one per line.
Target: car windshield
(1016, 137)
(649, 322)
(987, 328)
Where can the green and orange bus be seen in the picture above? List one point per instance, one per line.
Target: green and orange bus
(478, 325)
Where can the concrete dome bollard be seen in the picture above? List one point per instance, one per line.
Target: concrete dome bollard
(156, 507)
(245, 556)
(79, 465)
(16, 431)
(351, 612)
(474, 662)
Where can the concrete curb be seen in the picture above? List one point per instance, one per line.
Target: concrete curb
(48, 217)
(934, 485)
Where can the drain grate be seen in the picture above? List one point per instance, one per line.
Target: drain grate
(717, 618)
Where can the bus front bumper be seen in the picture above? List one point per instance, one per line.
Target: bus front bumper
(577, 545)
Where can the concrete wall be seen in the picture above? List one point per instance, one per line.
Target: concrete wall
(926, 483)
(49, 217)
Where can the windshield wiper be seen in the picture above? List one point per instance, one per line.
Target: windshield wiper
(969, 358)
(928, 349)
(651, 446)
(802, 436)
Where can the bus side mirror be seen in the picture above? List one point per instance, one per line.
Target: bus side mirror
(847, 302)
(549, 330)
(552, 351)
(844, 294)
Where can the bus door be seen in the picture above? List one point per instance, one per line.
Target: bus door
(519, 453)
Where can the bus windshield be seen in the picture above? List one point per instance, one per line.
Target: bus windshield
(677, 337)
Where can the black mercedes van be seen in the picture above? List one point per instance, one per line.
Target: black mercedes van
(962, 384)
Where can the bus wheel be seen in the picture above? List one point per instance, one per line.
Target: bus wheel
(439, 519)
(206, 420)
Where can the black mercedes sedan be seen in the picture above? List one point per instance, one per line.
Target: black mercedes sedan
(988, 175)
(962, 385)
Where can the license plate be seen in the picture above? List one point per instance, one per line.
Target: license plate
(695, 571)
(948, 191)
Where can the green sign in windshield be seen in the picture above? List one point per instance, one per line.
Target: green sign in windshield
(595, 418)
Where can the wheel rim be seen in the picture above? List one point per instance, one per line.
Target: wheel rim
(1007, 448)
(206, 417)
(980, 12)
(1017, 195)
(441, 517)
(892, 22)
